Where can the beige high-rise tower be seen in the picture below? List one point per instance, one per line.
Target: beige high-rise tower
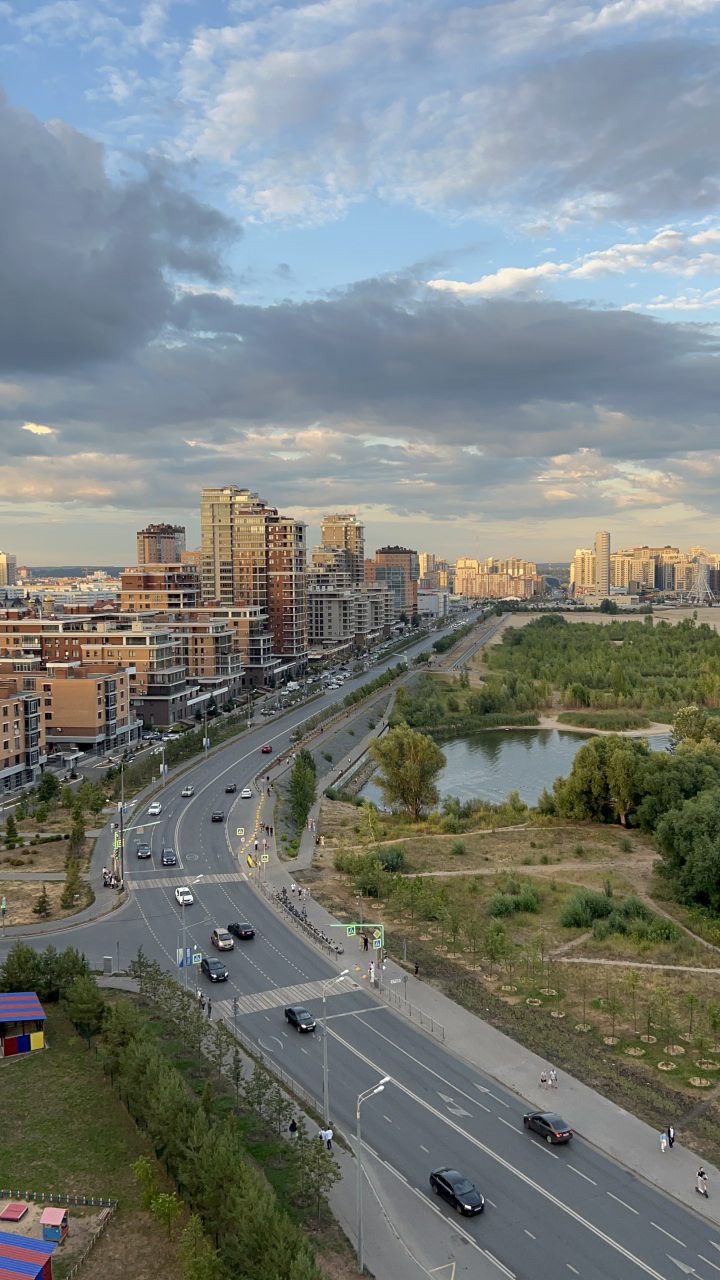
(343, 532)
(602, 565)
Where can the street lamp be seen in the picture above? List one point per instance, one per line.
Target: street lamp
(184, 934)
(363, 1097)
(326, 1090)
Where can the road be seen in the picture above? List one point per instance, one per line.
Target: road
(551, 1212)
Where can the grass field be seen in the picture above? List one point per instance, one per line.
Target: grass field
(63, 1130)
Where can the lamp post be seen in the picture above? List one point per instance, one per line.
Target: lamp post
(363, 1097)
(184, 935)
(326, 1088)
(122, 824)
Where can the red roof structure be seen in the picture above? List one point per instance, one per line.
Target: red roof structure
(20, 1006)
(22, 1258)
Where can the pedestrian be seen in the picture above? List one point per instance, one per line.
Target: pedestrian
(543, 1080)
(701, 1182)
(328, 1139)
(671, 1136)
(293, 889)
(663, 1142)
(293, 1127)
(209, 1007)
(366, 942)
(417, 968)
(256, 846)
(553, 1078)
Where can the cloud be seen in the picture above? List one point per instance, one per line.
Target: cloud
(37, 429)
(86, 267)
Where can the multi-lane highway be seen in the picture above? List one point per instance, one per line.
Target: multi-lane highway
(550, 1211)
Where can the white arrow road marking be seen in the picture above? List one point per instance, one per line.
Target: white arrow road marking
(452, 1105)
(686, 1270)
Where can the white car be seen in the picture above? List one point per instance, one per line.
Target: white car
(155, 809)
(184, 895)
(246, 794)
(187, 791)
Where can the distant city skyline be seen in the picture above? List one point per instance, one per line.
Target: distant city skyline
(471, 296)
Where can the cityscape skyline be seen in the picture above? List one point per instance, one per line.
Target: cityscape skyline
(464, 297)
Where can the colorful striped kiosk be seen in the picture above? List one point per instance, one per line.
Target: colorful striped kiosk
(22, 1019)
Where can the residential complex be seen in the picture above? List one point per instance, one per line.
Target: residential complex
(161, 544)
(22, 735)
(8, 569)
(497, 579)
(397, 569)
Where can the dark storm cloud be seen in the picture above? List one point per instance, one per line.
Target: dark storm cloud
(83, 261)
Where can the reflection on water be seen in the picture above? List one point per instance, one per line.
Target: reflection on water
(491, 764)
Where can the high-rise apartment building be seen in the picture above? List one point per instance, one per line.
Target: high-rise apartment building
(343, 532)
(22, 735)
(398, 569)
(160, 544)
(602, 564)
(8, 569)
(582, 572)
(251, 556)
(159, 586)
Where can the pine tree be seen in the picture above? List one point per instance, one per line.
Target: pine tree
(42, 904)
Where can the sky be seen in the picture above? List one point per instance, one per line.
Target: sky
(452, 266)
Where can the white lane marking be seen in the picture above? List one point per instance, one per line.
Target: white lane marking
(580, 1174)
(352, 1013)
(387, 1118)
(622, 1202)
(490, 1202)
(571, 1268)
(490, 1094)
(667, 1233)
(505, 1270)
(505, 1164)
(546, 1149)
(422, 1148)
(482, 1104)
(509, 1124)
(710, 1264)
(529, 1233)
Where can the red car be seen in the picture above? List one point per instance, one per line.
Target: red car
(266, 749)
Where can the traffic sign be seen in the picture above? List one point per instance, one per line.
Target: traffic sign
(197, 957)
(377, 943)
(377, 933)
(350, 931)
(265, 857)
(240, 831)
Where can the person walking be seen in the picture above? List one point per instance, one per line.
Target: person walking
(701, 1182)
(417, 968)
(543, 1080)
(328, 1139)
(209, 1006)
(663, 1142)
(365, 941)
(671, 1136)
(553, 1078)
(293, 1127)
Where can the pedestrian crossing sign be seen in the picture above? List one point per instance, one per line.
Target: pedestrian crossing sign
(377, 943)
(350, 930)
(240, 831)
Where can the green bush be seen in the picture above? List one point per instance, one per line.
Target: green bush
(502, 904)
(528, 899)
(457, 848)
(391, 858)
(583, 908)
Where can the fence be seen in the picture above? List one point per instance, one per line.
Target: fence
(412, 1011)
(256, 1054)
(107, 1207)
(279, 899)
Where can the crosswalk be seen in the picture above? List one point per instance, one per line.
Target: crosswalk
(172, 882)
(301, 993)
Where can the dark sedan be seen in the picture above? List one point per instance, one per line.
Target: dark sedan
(143, 850)
(213, 969)
(299, 1018)
(169, 858)
(459, 1192)
(550, 1126)
(231, 788)
(241, 929)
(217, 815)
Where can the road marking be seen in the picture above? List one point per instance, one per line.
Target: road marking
(505, 1270)
(422, 1148)
(505, 1164)
(546, 1149)
(667, 1233)
(452, 1105)
(571, 1268)
(710, 1264)
(492, 1095)
(387, 1118)
(580, 1174)
(508, 1123)
(256, 1001)
(529, 1233)
(622, 1202)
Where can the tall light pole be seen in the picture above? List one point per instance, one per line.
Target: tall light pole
(122, 824)
(184, 935)
(363, 1097)
(326, 1087)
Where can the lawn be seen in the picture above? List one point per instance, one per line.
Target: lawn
(64, 1130)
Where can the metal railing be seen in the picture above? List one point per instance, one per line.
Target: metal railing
(298, 917)
(424, 1020)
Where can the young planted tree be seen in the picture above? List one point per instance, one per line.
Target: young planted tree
(198, 1259)
(166, 1208)
(85, 1007)
(42, 904)
(409, 763)
(145, 1175)
(11, 832)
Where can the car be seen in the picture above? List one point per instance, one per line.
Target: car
(241, 929)
(168, 858)
(155, 809)
(459, 1192)
(246, 794)
(550, 1126)
(299, 1017)
(221, 939)
(187, 791)
(213, 969)
(266, 749)
(217, 815)
(230, 788)
(183, 895)
(143, 850)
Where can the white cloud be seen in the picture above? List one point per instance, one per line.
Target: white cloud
(37, 429)
(506, 280)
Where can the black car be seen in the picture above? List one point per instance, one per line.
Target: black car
(299, 1017)
(241, 929)
(462, 1194)
(169, 858)
(231, 788)
(143, 850)
(550, 1126)
(217, 815)
(214, 969)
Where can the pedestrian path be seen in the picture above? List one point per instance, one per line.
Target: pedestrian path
(277, 996)
(172, 882)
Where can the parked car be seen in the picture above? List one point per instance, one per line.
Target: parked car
(246, 794)
(187, 791)
(299, 1018)
(221, 939)
(266, 749)
(217, 815)
(143, 850)
(168, 858)
(183, 895)
(155, 809)
(459, 1192)
(241, 929)
(550, 1126)
(230, 788)
(213, 969)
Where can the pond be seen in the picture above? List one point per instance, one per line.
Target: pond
(491, 764)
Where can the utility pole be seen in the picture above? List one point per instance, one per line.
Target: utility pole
(122, 825)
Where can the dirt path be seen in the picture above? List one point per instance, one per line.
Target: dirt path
(635, 964)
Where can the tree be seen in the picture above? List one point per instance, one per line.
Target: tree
(11, 832)
(48, 788)
(73, 883)
(689, 841)
(85, 1007)
(409, 764)
(198, 1259)
(302, 788)
(42, 904)
(145, 1175)
(22, 969)
(76, 840)
(166, 1207)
